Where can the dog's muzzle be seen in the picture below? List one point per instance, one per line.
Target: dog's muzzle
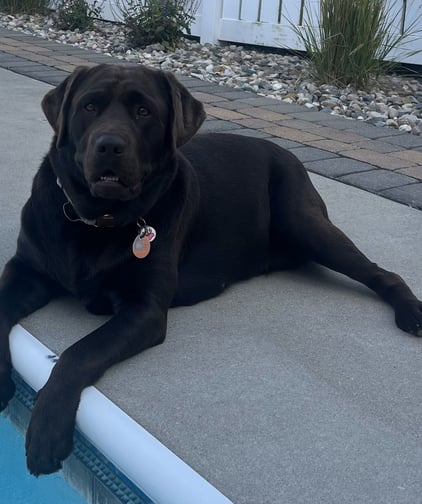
(109, 177)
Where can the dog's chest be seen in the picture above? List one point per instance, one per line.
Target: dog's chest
(88, 260)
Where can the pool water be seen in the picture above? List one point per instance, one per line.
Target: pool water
(17, 486)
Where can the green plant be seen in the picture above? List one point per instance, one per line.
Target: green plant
(77, 15)
(350, 40)
(24, 6)
(157, 21)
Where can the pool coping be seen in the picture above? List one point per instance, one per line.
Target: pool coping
(101, 466)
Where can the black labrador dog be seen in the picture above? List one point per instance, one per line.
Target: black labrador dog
(127, 212)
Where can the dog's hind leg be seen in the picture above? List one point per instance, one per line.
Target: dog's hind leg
(300, 219)
(194, 287)
(22, 291)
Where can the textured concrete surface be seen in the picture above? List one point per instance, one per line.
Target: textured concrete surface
(295, 387)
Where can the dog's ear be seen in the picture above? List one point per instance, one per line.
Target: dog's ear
(188, 112)
(56, 102)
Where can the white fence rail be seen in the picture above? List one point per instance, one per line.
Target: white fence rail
(268, 22)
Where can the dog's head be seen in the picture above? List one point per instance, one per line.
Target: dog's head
(119, 124)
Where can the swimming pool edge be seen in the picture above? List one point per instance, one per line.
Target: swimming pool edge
(114, 460)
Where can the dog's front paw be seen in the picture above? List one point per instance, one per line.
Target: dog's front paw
(7, 389)
(409, 318)
(49, 439)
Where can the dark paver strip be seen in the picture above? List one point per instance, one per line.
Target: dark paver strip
(47, 73)
(255, 101)
(337, 167)
(285, 143)
(409, 195)
(345, 136)
(7, 57)
(230, 94)
(306, 154)
(209, 86)
(405, 140)
(23, 63)
(313, 115)
(378, 180)
(216, 125)
(249, 132)
(282, 107)
(368, 131)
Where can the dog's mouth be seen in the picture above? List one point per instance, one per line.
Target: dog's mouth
(111, 181)
(110, 186)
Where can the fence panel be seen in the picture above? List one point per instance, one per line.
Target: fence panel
(407, 15)
(261, 22)
(231, 10)
(268, 22)
(249, 10)
(270, 11)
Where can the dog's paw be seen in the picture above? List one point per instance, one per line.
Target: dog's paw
(49, 439)
(409, 318)
(7, 389)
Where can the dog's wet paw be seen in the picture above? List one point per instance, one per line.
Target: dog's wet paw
(49, 439)
(7, 389)
(409, 318)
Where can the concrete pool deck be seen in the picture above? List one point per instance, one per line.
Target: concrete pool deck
(295, 387)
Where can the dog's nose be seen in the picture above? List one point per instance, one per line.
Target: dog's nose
(110, 145)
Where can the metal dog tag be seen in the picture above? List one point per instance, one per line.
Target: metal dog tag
(150, 233)
(141, 244)
(141, 247)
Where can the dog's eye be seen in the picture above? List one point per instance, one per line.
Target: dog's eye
(90, 107)
(142, 112)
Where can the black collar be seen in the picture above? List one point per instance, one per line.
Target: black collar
(106, 220)
(142, 242)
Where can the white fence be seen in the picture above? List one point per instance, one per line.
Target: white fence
(268, 22)
(257, 22)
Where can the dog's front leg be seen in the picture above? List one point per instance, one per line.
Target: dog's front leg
(50, 433)
(22, 291)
